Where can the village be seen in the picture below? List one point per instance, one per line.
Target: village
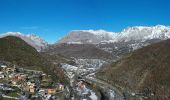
(23, 84)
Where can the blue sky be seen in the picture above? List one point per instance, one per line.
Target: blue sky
(52, 19)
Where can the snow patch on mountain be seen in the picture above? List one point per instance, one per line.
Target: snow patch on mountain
(87, 36)
(136, 46)
(136, 33)
(31, 39)
(143, 33)
(101, 33)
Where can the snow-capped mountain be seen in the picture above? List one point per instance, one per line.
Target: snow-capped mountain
(137, 33)
(143, 33)
(87, 37)
(119, 43)
(31, 39)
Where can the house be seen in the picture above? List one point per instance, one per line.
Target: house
(25, 88)
(11, 75)
(7, 69)
(31, 87)
(51, 90)
(3, 67)
(46, 77)
(48, 89)
(20, 76)
(14, 82)
(32, 90)
(81, 85)
(2, 75)
(28, 87)
(10, 69)
(60, 87)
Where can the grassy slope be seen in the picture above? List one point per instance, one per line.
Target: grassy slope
(17, 51)
(146, 69)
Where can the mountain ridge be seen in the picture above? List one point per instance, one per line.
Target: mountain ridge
(134, 33)
(32, 39)
(137, 33)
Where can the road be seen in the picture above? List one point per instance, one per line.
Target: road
(107, 88)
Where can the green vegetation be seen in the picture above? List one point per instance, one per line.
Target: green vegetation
(7, 99)
(3, 81)
(18, 52)
(60, 95)
(13, 94)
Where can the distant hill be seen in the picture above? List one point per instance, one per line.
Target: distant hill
(32, 39)
(87, 36)
(145, 71)
(87, 51)
(17, 51)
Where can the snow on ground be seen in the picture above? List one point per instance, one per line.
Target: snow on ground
(90, 63)
(93, 95)
(68, 67)
(87, 66)
(9, 97)
(85, 92)
(83, 66)
(112, 95)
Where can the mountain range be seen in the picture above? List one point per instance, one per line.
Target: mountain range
(128, 60)
(137, 33)
(96, 44)
(116, 44)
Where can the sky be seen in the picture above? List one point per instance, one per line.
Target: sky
(53, 19)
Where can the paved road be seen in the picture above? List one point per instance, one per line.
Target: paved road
(118, 95)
